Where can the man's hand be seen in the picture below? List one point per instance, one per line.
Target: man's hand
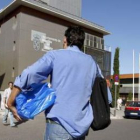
(108, 83)
(15, 114)
(5, 105)
(11, 102)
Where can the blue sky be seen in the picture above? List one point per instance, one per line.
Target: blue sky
(122, 19)
(4, 3)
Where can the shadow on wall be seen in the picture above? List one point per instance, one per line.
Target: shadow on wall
(1, 79)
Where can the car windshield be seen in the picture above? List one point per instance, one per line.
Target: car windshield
(134, 104)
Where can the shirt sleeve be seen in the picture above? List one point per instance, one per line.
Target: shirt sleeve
(36, 73)
(109, 95)
(5, 93)
(99, 74)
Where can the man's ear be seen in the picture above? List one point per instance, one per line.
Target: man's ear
(65, 43)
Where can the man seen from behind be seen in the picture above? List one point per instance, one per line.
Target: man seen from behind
(73, 73)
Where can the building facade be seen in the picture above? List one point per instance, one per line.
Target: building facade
(126, 86)
(69, 6)
(29, 28)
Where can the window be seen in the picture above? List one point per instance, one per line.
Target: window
(13, 72)
(95, 44)
(94, 41)
(14, 45)
(88, 36)
(91, 43)
(14, 23)
(91, 37)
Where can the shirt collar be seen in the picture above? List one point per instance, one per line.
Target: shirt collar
(73, 48)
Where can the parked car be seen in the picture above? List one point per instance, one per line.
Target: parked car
(132, 109)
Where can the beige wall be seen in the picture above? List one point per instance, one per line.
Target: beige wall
(9, 39)
(20, 32)
(24, 54)
(26, 50)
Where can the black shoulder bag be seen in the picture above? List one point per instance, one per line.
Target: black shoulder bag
(100, 105)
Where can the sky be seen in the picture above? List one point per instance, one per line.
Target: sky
(122, 19)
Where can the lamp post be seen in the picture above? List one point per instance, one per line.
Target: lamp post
(116, 83)
(133, 74)
(139, 80)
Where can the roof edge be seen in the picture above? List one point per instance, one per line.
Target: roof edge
(16, 3)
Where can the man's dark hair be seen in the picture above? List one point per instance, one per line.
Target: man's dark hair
(75, 35)
(10, 83)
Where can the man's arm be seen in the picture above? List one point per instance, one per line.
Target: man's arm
(99, 74)
(11, 102)
(35, 73)
(4, 99)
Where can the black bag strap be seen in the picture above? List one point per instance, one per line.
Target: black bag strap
(98, 74)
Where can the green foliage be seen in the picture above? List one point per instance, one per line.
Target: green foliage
(116, 63)
(130, 96)
(116, 70)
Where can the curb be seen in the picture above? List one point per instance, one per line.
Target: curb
(116, 117)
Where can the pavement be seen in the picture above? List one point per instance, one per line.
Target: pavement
(35, 129)
(1, 113)
(119, 129)
(119, 113)
(27, 130)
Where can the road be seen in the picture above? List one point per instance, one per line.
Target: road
(120, 129)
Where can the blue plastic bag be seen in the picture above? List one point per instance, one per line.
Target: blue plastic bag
(34, 101)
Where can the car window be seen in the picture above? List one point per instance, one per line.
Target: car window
(134, 104)
(131, 104)
(138, 104)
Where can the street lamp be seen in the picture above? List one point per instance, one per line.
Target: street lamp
(116, 83)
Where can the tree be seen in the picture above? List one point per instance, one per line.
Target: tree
(116, 70)
(129, 97)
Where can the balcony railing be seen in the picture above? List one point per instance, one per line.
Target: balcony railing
(97, 45)
(107, 48)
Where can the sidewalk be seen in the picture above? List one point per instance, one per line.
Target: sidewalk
(119, 113)
(1, 113)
